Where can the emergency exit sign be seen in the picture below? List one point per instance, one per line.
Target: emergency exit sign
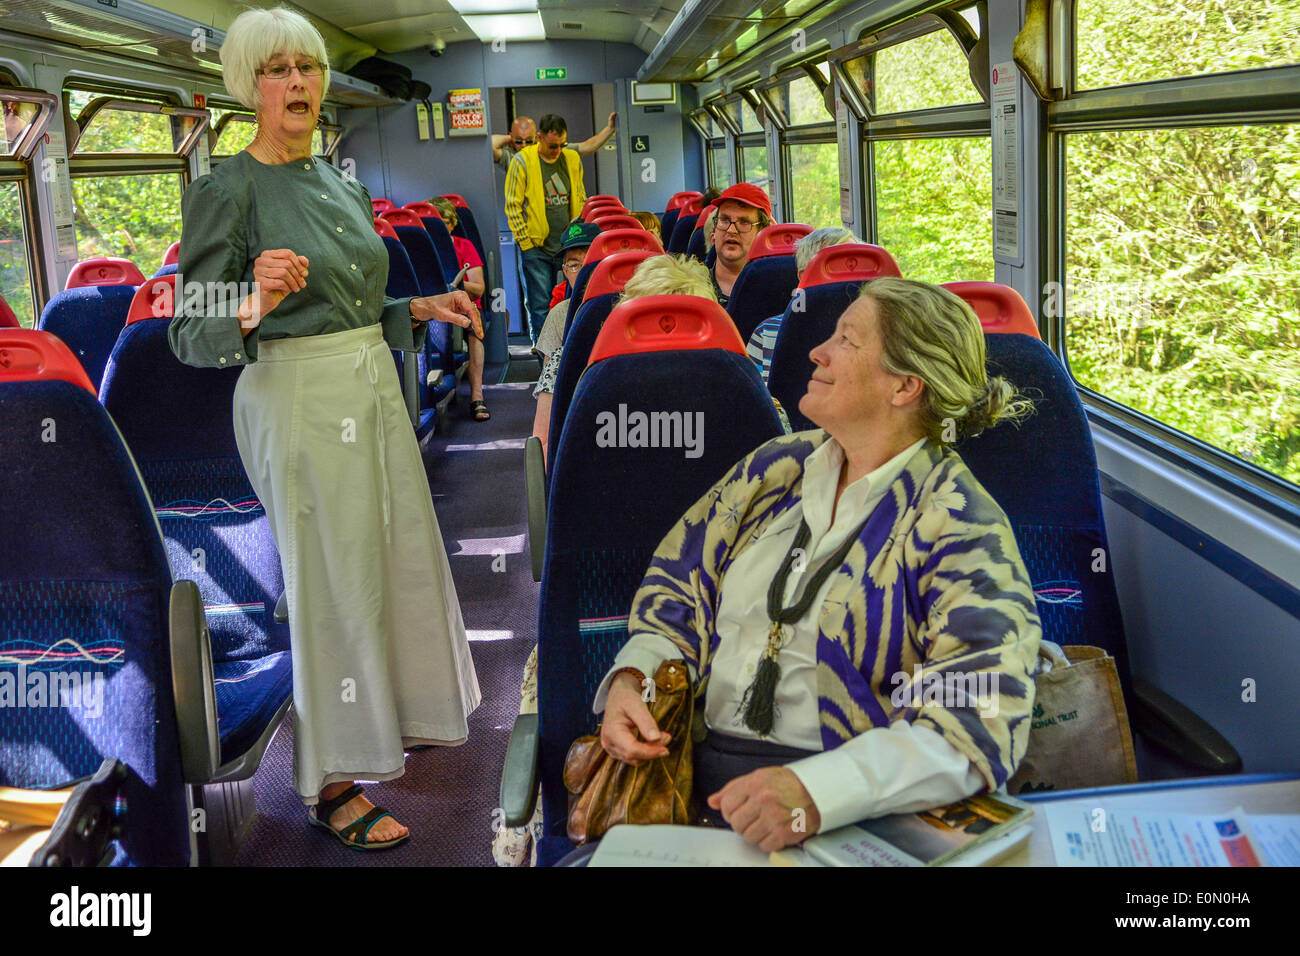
(552, 73)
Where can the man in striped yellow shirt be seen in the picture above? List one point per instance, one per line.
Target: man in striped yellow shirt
(544, 193)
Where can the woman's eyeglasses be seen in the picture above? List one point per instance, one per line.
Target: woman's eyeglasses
(281, 71)
(572, 266)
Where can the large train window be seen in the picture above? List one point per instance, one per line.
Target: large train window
(1131, 41)
(26, 116)
(923, 73)
(815, 183)
(128, 168)
(708, 122)
(232, 131)
(1182, 248)
(15, 279)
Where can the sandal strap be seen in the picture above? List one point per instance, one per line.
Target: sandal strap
(360, 828)
(326, 808)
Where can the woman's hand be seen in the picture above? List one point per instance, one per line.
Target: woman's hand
(455, 308)
(625, 715)
(276, 273)
(769, 807)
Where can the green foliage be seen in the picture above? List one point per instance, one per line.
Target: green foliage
(1131, 41)
(1182, 250)
(136, 217)
(14, 286)
(923, 73)
(814, 170)
(934, 207)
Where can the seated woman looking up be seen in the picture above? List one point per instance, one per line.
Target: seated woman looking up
(826, 582)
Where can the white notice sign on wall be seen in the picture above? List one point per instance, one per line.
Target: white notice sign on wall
(55, 172)
(1006, 163)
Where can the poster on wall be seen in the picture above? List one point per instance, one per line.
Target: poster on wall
(465, 113)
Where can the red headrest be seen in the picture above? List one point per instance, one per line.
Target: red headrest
(456, 200)
(382, 205)
(402, 217)
(106, 270)
(622, 240)
(602, 207)
(679, 199)
(851, 262)
(173, 254)
(385, 228)
(615, 221)
(604, 196)
(691, 207)
(704, 214)
(661, 323)
(155, 299)
(31, 355)
(7, 318)
(423, 209)
(612, 272)
(998, 307)
(777, 239)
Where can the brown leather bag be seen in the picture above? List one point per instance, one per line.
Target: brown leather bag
(605, 791)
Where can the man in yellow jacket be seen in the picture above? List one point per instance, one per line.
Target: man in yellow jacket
(544, 193)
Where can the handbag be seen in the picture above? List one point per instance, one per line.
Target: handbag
(1079, 733)
(605, 792)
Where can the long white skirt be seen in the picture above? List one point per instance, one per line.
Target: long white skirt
(380, 658)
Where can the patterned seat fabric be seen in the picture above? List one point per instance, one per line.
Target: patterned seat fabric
(88, 320)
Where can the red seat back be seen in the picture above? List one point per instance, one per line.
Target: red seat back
(423, 209)
(612, 272)
(777, 239)
(617, 222)
(691, 207)
(106, 270)
(402, 217)
(661, 323)
(173, 254)
(456, 200)
(590, 210)
(31, 355)
(622, 240)
(604, 196)
(385, 228)
(851, 262)
(155, 299)
(382, 205)
(7, 318)
(678, 200)
(999, 307)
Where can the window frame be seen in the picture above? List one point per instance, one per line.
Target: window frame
(47, 104)
(82, 121)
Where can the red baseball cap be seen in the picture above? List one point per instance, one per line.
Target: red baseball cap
(749, 195)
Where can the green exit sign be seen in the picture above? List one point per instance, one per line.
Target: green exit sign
(552, 73)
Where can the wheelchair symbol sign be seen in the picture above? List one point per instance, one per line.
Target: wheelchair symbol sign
(640, 144)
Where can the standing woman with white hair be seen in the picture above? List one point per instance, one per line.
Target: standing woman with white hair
(380, 657)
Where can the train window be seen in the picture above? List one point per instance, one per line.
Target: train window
(749, 122)
(1180, 257)
(719, 170)
(814, 168)
(800, 102)
(753, 166)
(232, 131)
(114, 129)
(934, 201)
(15, 282)
(922, 73)
(1130, 41)
(135, 216)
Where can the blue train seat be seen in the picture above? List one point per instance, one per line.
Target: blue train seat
(611, 507)
(768, 277)
(683, 228)
(829, 285)
(88, 319)
(606, 244)
(84, 603)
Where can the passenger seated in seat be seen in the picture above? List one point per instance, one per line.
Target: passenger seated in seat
(743, 210)
(762, 343)
(886, 561)
(473, 285)
(651, 223)
(659, 275)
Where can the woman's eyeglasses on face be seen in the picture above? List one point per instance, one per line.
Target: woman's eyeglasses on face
(743, 226)
(281, 71)
(572, 266)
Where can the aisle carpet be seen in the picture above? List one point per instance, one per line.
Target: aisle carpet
(448, 794)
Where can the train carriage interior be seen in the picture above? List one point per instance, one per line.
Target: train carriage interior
(1112, 185)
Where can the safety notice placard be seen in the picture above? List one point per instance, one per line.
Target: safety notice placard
(1006, 163)
(55, 171)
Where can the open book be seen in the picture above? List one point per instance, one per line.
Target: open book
(972, 832)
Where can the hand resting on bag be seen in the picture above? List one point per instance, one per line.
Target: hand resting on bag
(626, 716)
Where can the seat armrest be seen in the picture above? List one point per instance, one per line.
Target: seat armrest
(1174, 728)
(535, 485)
(519, 775)
(282, 608)
(193, 685)
(82, 833)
